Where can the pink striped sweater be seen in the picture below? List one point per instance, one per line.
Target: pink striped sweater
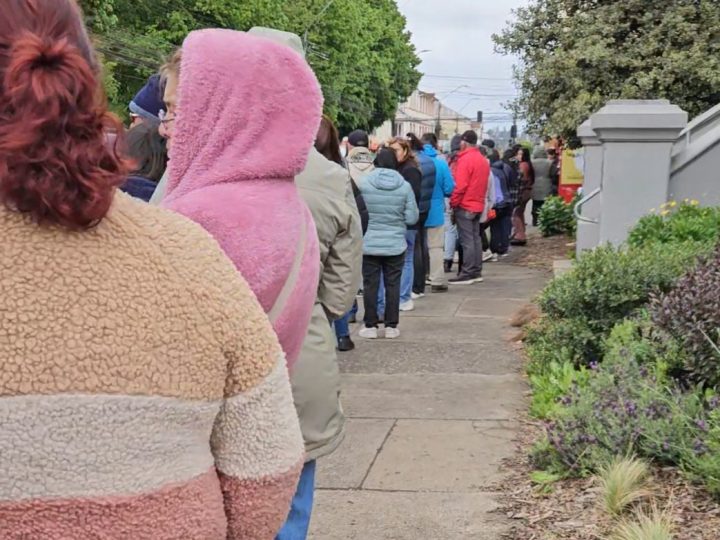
(247, 114)
(143, 393)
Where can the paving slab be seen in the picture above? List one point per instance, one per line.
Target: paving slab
(436, 305)
(417, 329)
(348, 466)
(377, 515)
(430, 419)
(457, 396)
(442, 455)
(502, 308)
(393, 356)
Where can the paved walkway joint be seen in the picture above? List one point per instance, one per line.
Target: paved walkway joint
(430, 419)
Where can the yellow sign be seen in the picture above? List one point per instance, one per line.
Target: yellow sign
(573, 165)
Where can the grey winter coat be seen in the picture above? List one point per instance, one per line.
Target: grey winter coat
(325, 187)
(542, 188)
(392, 208)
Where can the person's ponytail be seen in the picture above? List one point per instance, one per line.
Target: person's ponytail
(55, 163)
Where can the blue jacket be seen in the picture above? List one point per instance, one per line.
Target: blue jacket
(391, 209)
(503, 172)
(444, 186)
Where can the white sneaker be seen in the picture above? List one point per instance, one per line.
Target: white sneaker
(415, 296)
(494, 257)
(407, 306)
(392, 333)
(487, 255)
(478, 280)
(368, 333)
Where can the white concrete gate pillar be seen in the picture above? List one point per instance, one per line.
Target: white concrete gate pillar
(637, 138)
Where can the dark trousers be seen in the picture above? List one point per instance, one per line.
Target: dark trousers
(468, 224)
(421, 261)
(500, 230)
(537, 205)
(483, 236)
(390, 268)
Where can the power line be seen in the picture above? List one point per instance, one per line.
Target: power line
(468, 78)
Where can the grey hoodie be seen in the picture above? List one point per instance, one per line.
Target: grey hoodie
(359, 163)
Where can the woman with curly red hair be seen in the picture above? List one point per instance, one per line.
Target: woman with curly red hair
(143, 393)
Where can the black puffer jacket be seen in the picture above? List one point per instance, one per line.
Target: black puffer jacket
(422, 181)
(429, 177)
(362, 207)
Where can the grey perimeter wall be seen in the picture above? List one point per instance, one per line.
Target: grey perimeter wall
(695, 165)
(640, 154)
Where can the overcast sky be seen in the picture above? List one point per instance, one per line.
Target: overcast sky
(457, 35)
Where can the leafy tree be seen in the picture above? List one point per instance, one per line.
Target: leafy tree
(575, 55)
(360, 49)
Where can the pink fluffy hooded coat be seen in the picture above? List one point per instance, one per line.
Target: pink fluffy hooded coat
(248, 111)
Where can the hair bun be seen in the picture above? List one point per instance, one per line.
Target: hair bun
(31, 51)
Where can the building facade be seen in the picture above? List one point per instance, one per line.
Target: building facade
(424, 113)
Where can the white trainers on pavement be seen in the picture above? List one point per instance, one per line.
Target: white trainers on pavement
(392, 333)
(487, 255)
(415, 296)
(368, 333)
(407, 306)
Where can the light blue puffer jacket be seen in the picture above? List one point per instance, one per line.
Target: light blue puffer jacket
(392, 208)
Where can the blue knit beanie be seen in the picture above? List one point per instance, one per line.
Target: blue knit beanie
(148, 102)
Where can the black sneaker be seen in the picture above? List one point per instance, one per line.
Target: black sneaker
(464, 280)
(439, 288)
(345, 344)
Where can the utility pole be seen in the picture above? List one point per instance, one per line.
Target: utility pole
(314, 22)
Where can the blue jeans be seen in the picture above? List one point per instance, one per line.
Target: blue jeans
(342, 325)
(408, 274)
(451, 238)
(298, 522)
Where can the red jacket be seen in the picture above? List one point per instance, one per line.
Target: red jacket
(472, 173)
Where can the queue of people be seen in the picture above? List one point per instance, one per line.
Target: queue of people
(170, 353)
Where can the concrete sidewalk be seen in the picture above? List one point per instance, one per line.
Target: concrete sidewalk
(430, 417)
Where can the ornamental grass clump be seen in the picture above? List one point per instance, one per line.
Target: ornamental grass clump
(623, 482)
(651, 524)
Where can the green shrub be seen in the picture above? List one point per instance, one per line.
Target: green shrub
(559, 340)
(624, 408)
(640, 339)
(675, 223)
(628, 408)
(557, 217)
(702, 462)
(605, 286)
(552, 384)
(691, 313)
